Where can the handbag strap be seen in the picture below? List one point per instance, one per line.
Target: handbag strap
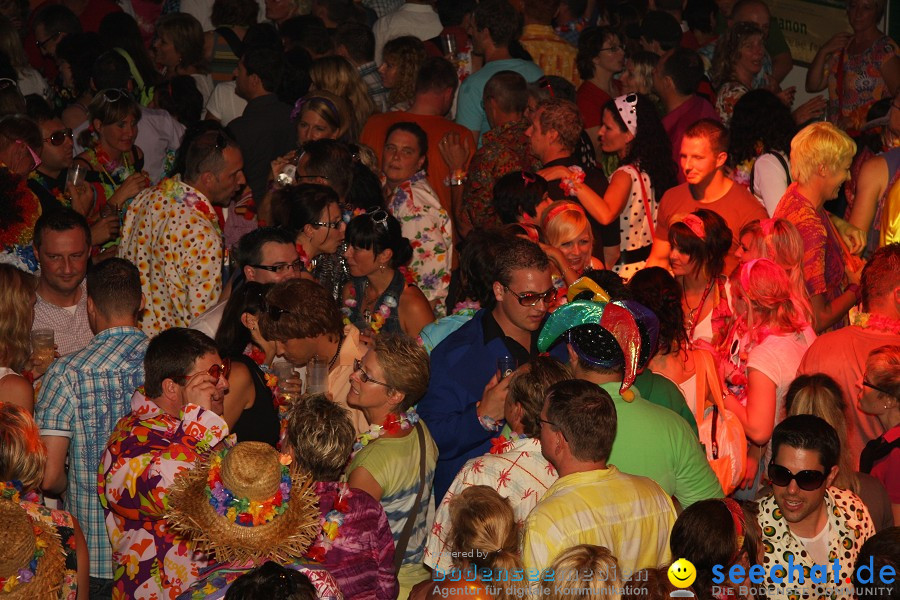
(646, 200)
(403, 541)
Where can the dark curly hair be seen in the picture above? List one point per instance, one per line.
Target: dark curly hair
(650, 149)
(760, 117)
(655, 288)
(728, 48)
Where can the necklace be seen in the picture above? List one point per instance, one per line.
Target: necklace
(693, 318)
(393, 423)
(877, 322)
(336, 353)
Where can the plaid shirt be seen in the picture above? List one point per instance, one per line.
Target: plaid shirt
(83, 396)
(377, 91)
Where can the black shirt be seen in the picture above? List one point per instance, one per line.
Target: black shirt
(493, 330)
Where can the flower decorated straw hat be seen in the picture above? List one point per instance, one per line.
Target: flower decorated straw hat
(245, 503)
(32, 562)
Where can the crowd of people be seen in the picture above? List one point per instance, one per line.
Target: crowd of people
(391, 299)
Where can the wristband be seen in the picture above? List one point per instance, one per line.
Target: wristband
(458, 177)
(489, 423)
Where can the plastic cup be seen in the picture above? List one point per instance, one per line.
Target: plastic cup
(43, 343)
(284, 371)
(449, 43)
(76, 174)
(316, 376)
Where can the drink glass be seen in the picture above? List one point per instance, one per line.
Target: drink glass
(316, 376)
(76, 174)
(506, 365)
(43, 345)
(449, 42)
(284, 371)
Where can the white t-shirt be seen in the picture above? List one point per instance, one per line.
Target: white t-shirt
(224, 104)
(770, 180)
(778, 358)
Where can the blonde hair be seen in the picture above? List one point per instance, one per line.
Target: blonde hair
(23, 455)
(320, 436)
(334, 110)
(565, 574)
(563, 221)
(819, 144)
(883, 369)
(405, 365)
(335, 74)
(820, 395)
(771, 306)
(484, 534)
(779, 240)
(16, 316)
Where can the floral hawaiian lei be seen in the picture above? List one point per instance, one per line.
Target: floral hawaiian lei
(187, 195)
(243, 511)
(877, 322)
(11, 491)
(378, 318)
(331, 524)
(502, 443)
(568, 183)
(393, 423)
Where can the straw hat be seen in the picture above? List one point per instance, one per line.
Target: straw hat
(32, 562)
(246, 503)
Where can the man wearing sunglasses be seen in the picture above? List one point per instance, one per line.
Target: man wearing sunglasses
(806, 521)
(175, 419)
(464, 405)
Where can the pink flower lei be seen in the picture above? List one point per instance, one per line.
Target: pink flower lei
(876, 322)
(331, 525)
(243, 511)
(567, 184)
(378, 318)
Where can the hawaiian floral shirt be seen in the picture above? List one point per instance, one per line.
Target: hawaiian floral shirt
(172, 234)
(515, 468)
(850, 525)
(503, 150)
(427, 225)
(145, 452)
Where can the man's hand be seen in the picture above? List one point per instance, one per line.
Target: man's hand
(82, 198)
(455, 153)
(107, 228)
(202, 390)
(493, 399)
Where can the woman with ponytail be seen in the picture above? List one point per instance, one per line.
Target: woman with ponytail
(378, 297)
(770, 334)
(485, 537)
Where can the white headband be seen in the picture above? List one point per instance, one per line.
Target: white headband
(627, 107)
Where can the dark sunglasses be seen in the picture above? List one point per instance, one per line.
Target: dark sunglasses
(363, 376)
(297, 265)
(113, 94)
(58, 138)
(42, 43)
(215, 371)
(329, 224)
(378, 215)
(869, 384)
(808, 480)
(532, 298)
(275, 312)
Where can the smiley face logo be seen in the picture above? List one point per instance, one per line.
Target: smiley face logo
(682, 573)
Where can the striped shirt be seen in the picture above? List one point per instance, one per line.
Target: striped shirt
(520, 473)
(83, 397)
(630, 515)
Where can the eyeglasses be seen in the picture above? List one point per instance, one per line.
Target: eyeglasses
(869, 384)
(363, 376)
(216, 371)
(378, 215)
(532, 298)
(612, 49)
(297, 265)
(5, 83)
(551, 423)
(43, 43)
(34, 157)
(58, 138)
(329, 224)
(806, 480)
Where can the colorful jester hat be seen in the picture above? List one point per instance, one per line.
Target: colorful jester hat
(605, 334)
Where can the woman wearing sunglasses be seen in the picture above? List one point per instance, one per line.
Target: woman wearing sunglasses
(19, 207)
(312, 212)
(111, 154)
(394, 460)
(378, 299)
(880, 396)
(630, 129)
